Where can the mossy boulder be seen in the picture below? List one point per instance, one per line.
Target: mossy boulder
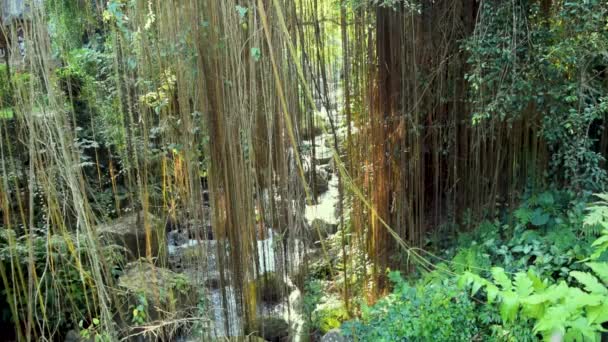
(163, 291)
(130, 232)
(272, 329)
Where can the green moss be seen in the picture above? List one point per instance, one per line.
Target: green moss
(329, 315)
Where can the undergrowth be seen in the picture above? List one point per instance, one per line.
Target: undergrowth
(538, 273)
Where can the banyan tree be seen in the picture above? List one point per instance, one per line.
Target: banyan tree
(192, 168)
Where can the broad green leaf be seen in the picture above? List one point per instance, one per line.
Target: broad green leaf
(256, 54)
(537, 283)
(546, 199)
(492, 293)
(553, 320)
(242, 11)
(581, 330)
(509, 306)
(523, 215)
(539, 218)
(603, 196)
(590, 282)
(501, 278)
(600, 241)
(601, 269)
(599, 313)
(536, 299)
(523, 285)
(576, 298)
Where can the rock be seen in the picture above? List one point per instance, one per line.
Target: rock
(321, 182)
(165, 291)
(333, 335)
(306, 133)
(129, 232)
(323, 227)
(213, 283)
(272, 329)
(323, 173)
(272, 288)
(328, 169)
(74, 336)
(177, 238)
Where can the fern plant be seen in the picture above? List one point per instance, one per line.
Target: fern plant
(576, 312)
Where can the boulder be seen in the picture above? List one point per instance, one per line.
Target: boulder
(272, 329)
(329, 169)
(321, 182)
(164, 291)
(323, 227)
(334, 335)
(74, 336)
(272, 288)
(130, 232)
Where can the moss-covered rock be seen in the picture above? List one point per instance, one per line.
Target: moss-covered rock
(272, 329)
(130, 232)
(163, 291)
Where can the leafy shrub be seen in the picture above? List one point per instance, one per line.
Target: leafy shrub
(436, 312)
(575, 310)
(545, 232)
(525, 62)
(21, 83)
(65, 282)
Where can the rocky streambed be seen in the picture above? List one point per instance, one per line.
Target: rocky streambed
(190, 288)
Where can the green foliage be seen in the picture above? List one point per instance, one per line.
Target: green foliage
(410, 5)
(323, 312)
(436, 312)
(69, 23)
(139, 311)
(329, 314)
(65, 281)
(549, 276)
(576, 311)
(545, 233)
(5, 96)
(525, 62)
(93, 331)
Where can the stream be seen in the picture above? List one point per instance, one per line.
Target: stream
(288, 309)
